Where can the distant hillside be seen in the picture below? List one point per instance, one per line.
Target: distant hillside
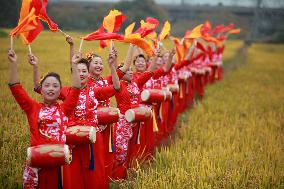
(87, 16)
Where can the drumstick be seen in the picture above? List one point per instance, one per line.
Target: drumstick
(62, 32)
(111, 45)
(11, 42)
(81, 44)
(30, 49)
(158, 44)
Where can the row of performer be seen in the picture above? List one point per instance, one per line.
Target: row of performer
(77, 140)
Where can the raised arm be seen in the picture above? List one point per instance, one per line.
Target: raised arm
(13, 79)
(128, 59)
(153, 65)
(112, 66)
(169, 63)
(33, 60)
(17, 90)
(75, 75)
(190, 50)
(71, 43)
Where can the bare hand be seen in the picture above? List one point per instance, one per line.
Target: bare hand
(12, 56)
(69, 40)
(115, 52)
(173, 52)
(76, 58)
(33, 60)
(112, 57)
(171, 38)
(157, 52)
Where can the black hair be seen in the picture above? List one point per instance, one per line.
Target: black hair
(90, 56)
(51, 74)
(85, 62)
(139, 56)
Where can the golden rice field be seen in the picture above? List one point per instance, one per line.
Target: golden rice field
(233, 139)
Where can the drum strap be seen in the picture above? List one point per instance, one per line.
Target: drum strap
(172, 103)
(92, 158)
(111, 142)
(61, 131)
(59, 184)
(137, 140)
(160, 112)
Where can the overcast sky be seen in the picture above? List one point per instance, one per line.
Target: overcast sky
(266, 3)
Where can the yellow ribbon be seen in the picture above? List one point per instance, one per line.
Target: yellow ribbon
(155, 126)
(161, 112)
(180, 91)
(110, 139)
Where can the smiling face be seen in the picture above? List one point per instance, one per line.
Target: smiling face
(128, 75)
(96, 67)
(150, 60)
(83, 73)
(140, 64)
(50, 89)
(160, 62)
(166, 56)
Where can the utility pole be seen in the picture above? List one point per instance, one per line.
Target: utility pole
(254, 31)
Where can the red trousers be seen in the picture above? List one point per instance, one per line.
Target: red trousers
(48, 178)
(199, 84)
(79, 175)
(173, 112)
(220, 71)
(108, 137)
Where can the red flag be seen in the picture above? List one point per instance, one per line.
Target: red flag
(101, 35)
(218, 29)
(234, 31)
(229, 27)
(165, 31)
(194, 33)
(206, 28)
(147, 27)
(200, 47)
(181, 49)
(44, 17)
(137, 40)
(29, 25)
(113, 21)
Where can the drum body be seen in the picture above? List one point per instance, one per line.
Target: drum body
(108, 115)
(174, 88)
(168, 94)
(48, 155)
(80, 135)
(153, 96)
(139, 114)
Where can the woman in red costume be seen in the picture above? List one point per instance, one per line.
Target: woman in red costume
(40, 115)
(160, 81)
(96, 80)
(144, 150)
(128, 97)
(87, 171)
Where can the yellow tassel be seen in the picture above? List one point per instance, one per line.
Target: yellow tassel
(155, 126)
(109, 139)
(161, 112)
(216, 74)
(180, 91)
(138, 140)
